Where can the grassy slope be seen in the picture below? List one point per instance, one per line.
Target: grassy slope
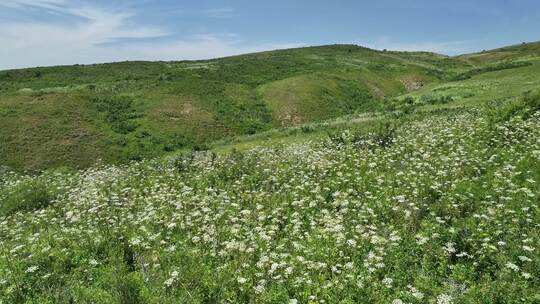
(76, 115)
(54, 116)
(437, 205)
(431, 207)
(501, 83)
(496, 85)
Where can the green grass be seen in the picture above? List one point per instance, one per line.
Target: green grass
(438, 205)
(26, 197)
(481, 88)
(56, 115)
(395, 180)
(113, 113)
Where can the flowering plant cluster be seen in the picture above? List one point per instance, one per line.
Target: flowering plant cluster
(445, 211)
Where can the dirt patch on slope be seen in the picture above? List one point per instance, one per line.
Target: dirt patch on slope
(412, 83)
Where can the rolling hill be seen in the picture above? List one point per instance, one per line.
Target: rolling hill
(437, 205)
(81, 115)
(332, 174)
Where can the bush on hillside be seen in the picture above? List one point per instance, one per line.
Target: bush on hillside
(382, 134)
(379, 135)
(409, 100)
(523, 107)
(430, 99)
(119, 111)
(176, 142)
(27, 196)
(307, 129)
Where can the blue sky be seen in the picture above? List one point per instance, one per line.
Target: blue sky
(52, 32)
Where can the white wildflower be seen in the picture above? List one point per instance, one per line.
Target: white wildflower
(421, 240)
(512, 266)
(415, 292)
(259, 288)
(172, 279)
(444, 299)
(388, 282)
(31, 269)
(169, 282)
(524, 258)
(527, 248)
(449, 247)
(241, 280)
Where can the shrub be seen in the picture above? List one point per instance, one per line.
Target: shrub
(408, 100)
(532, 101)
(200, 147)
(183, 162)
(176, 142)
(523, 107)
(119, 112)
(307, 129)
(379, 135)
(382, 134)
(27, 196)
(134, 156)
(443, 99)
(407, 109)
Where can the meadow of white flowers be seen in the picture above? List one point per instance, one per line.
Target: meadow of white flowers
(446, 210)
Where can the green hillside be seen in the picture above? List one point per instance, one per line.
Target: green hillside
(75, 115)
(434, 206)
(332, 174)
(109, 113)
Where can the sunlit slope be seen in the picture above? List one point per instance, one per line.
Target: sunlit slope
(75, 115)
(80, 115)
(492, 75)
(519, 51)
(419, 207)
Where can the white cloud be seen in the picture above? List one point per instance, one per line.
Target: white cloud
(91, 33)
(44, 4)
(444, 47)
(96, 26)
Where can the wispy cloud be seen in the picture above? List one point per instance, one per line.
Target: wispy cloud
(91, 34)
(225, 12)
(44, 4)
(441, 47)
(96, 26)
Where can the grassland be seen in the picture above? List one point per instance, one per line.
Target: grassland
(436, 205)
(318, 175)
(79, 116)
(56, 116)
